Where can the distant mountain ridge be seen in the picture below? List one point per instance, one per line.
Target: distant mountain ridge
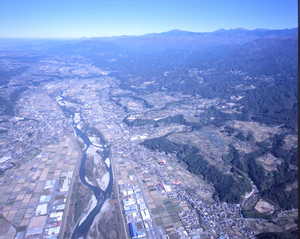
(173, 39)
(180, 32)
(172, 32)
(186, 40)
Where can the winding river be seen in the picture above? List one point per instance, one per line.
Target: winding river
(82, 228)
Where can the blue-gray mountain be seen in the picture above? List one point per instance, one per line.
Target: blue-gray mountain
(258, 66)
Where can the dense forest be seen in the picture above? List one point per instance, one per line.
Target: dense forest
(258, 66)
(229, 187)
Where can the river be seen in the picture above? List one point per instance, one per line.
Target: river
(81, 229)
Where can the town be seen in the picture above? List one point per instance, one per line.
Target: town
(157, 196)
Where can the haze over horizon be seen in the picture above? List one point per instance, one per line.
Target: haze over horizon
(94, 18)
(127, 119)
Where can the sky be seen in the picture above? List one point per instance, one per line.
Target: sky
(92, 18)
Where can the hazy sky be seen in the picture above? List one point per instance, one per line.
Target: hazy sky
(78, 18)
